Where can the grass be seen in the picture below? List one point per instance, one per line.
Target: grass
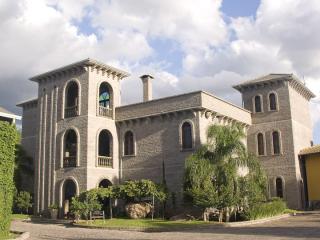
(121, 223)
(11, 236)
(291, 211)
(19, 216)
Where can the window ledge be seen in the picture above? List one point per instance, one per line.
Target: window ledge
(264, 155)
(128, 156)
(278, 154)
(187, 150)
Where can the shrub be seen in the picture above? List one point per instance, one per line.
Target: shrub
(138, 190)
(23, 201)
(84, 203)
(8, 141)
(275, 207)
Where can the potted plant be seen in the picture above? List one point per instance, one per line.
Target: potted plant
(53, 209)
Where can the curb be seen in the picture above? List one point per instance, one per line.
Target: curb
(216, 225)
(258, 221)
(23, 235)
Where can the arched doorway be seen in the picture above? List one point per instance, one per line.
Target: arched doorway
(279, 187)
(69, 191)
(106, 202)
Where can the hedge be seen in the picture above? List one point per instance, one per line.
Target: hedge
(268, 209)
(8, 141)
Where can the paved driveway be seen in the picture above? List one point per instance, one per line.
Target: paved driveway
(306, 226)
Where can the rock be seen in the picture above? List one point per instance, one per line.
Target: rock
(138, 210)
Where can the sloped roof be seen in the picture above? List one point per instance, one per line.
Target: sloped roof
(274, 77)
(3, 110)
(7, 114)
(310, 150)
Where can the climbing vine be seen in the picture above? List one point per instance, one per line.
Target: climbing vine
(8, 141)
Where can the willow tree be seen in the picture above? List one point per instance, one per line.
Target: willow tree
(217, 173)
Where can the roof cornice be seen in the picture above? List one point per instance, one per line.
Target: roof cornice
(81, 64)
(290, 78)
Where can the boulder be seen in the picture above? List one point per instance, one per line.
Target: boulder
(138, 210)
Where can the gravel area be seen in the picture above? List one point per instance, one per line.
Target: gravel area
(302, 226)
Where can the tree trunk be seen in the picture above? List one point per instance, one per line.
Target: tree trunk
(205, 218)
(220, 215)
(110, 207)
(227, 214)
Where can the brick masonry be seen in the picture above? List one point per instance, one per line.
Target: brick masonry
(156, 125)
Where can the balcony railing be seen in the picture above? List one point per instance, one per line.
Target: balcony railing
(71, 111)
(106, 112)
(104, 161)
(69, 161)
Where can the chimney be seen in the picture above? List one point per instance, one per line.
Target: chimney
(147, 87)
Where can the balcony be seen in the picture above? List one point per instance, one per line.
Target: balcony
(105, 112)
(104, 161)
(69, 162)
(71, 111)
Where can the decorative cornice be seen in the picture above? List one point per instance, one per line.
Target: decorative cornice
(272, 79)
(84, 65)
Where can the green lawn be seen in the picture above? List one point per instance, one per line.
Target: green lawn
(121, 223)
(11, 236)
(20, 216)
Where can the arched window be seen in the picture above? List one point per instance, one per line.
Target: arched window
(71, 100)
(272, 101)
(128, 143)
(186, 135)
(105, 98)
(279, 187)
(105, 149)
(70, 149)
(276, 142)
(257, 104)
(260, 140)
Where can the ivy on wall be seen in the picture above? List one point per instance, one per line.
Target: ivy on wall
(8, 141)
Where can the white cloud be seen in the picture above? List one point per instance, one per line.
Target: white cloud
(194, 25)
(38, 35)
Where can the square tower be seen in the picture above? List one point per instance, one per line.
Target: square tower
(281, 127)
(76, 139)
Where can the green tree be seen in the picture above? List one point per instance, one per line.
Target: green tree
(8, 141)
(23, 201)
(213, 173)
(23, 168)
(137, 190)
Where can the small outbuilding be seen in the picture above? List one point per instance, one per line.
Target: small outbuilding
(310, 164)
(7, 116)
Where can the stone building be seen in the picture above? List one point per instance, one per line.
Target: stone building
(82, 137)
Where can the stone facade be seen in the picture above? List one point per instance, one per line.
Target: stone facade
(291, 119)
(156, 132)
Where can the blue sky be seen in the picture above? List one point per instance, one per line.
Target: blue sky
(187, 45)
(240, 8)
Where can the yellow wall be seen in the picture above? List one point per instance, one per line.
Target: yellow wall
(313, 176)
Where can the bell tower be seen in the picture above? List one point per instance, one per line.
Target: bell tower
(281, 127)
